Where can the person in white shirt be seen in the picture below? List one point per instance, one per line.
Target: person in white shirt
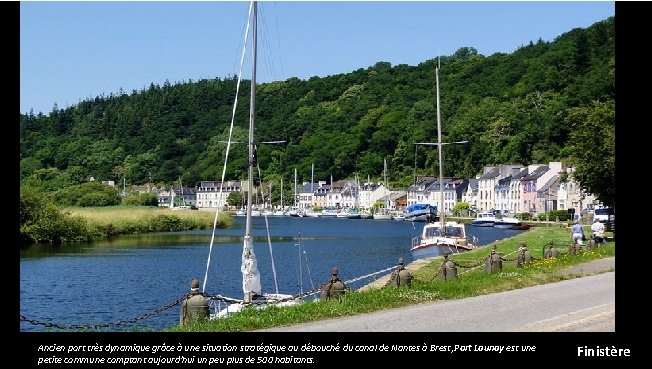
(598, 231)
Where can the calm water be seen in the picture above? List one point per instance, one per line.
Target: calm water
(106, 282)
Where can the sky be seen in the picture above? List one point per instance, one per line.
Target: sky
(74, 51)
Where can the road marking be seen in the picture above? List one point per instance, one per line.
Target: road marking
(601, 315)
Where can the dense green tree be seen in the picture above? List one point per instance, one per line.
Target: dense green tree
(593, 149)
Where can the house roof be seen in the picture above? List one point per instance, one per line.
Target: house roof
(306, 188)
(493, 173)
(449, 183)
(520, 174)
(397, 195)
(473, 184)
(422, 183)
(549, 184)
(536, 173)
(505, 181)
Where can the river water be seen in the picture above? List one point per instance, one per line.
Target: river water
(120, 280)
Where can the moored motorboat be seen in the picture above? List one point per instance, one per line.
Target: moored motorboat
(506, 222)
(437, 239)
(484, 219)
(420, 212)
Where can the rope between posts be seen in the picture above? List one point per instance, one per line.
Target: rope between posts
(105, 325)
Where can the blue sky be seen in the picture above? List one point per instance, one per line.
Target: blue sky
(72, 51)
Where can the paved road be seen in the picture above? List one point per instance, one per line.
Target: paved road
(584, 304)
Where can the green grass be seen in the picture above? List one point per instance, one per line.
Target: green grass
(426, 287)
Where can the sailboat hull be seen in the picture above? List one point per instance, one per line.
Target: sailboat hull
(436, 249)
(260, 302)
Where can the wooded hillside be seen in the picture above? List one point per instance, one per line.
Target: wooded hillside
(512, 108)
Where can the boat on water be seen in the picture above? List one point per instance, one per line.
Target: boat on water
(484, 219)
(440, 237)
(507, 222)
(420, 213)
(251, 285)
(353, 214)
(382, 214)
(437, 239)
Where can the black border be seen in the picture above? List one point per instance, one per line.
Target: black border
(550, 347)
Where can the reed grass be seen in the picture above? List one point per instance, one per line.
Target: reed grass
(121, 220)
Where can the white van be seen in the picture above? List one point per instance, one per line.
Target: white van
(604, 215)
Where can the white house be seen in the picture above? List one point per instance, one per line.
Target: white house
(209, 196)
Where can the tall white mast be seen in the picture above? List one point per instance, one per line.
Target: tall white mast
(250, 276)
(439, 144)
(441, 170)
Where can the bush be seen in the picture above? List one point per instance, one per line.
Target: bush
(143, 199)
(42, 221)
(87, 194)
(524, 216)
(561, 215)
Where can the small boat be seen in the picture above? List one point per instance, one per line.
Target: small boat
(420, 212)
(327, 213)
(507, 222)
(484, 219)
(354, 214)
(382, 214)
(437, 240)
(521, 227)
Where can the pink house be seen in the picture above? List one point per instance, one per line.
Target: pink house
(529, 189)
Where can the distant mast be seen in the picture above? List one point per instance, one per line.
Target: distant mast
(385, 183)
(295, 188)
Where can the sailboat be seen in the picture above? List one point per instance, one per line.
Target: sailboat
(294, 212)
(383, 213)
(183, 205)
(251, 286)
(440, 237)
(281, 211)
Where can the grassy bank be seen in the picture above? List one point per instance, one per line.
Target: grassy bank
(472, 281)
(110, 221)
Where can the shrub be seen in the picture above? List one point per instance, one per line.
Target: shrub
(42, 221)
